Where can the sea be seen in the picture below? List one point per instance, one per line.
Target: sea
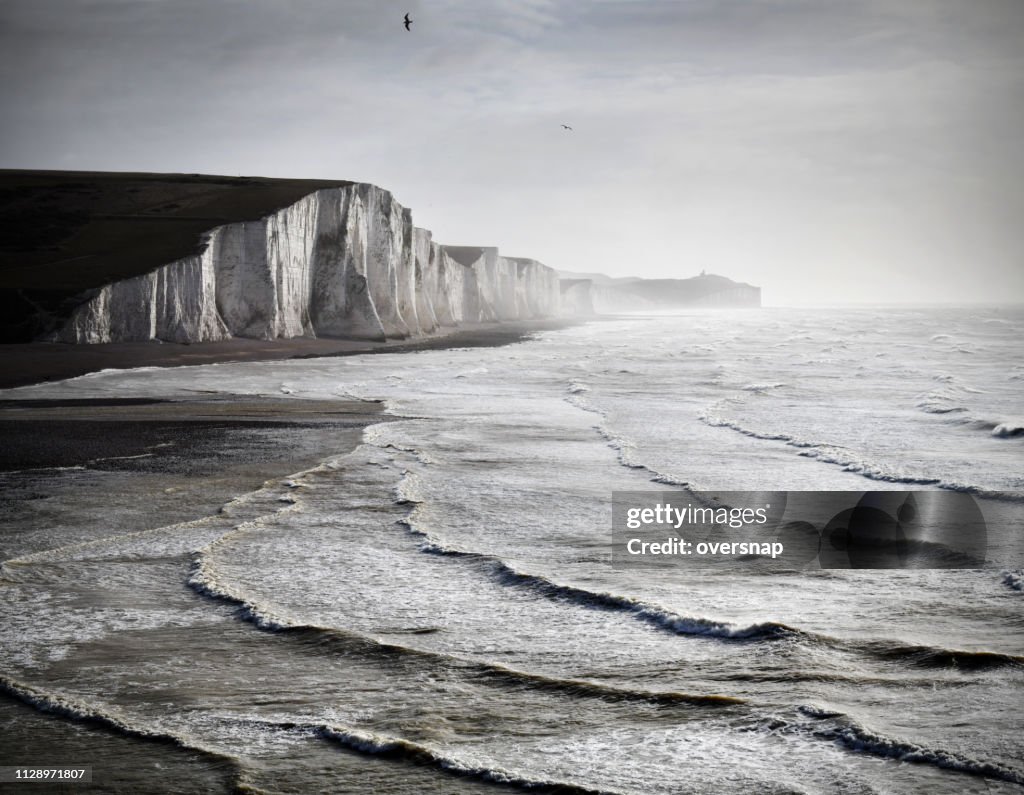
(430, 604)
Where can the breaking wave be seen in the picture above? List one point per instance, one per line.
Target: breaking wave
(397, 748)
(669, 621)
(842, 457)
(849, 734)
(71, 707)
(204, 581)
(1009, 430)
(1014, 580)
(403, 750)
(625, 447)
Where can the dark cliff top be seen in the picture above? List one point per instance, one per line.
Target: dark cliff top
(76, 230)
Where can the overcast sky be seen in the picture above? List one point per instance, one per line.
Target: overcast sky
(828, 150)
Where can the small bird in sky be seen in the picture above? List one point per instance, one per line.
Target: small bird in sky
(567, 127)
(407, 21)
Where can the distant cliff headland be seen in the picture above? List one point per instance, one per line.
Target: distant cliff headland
(93, 257)
(594, 293)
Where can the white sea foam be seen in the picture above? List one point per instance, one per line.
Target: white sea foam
(1009, 429)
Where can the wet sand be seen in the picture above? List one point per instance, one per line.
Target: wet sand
(31, 363)
(145, 464)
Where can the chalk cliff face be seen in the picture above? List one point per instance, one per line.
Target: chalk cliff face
(586, 297)
(537, 288)
(340, 262)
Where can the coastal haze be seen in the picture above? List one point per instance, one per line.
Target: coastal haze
(856, 152)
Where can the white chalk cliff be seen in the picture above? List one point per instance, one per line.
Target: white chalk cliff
(340, 262)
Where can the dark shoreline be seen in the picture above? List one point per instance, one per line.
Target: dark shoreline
(153, 464)
(80, 470)
(25, 364)
(187, 437)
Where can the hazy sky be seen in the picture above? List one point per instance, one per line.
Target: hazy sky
(828, 150)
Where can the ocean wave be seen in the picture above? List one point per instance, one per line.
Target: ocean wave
(652, 614)
(929, 407)
(849, 734)
(377, 435)
(667, 620)
(410, 493)
(73, 468)
(841, 456)
(205, 582)
(662, 618)
(649, 613)
(421, 755)
(472, 371)
(951, 402)
(621, 444)
(245, 510)
(1000, 429)
(1009, 430)
(68, 706)
(899, 681)
(387, 747)
(85, 549)
(940, 402)
(404, 750)
(935, 657)
(1014, 580)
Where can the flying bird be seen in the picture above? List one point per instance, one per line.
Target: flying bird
(566, 127)
(407, 21)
